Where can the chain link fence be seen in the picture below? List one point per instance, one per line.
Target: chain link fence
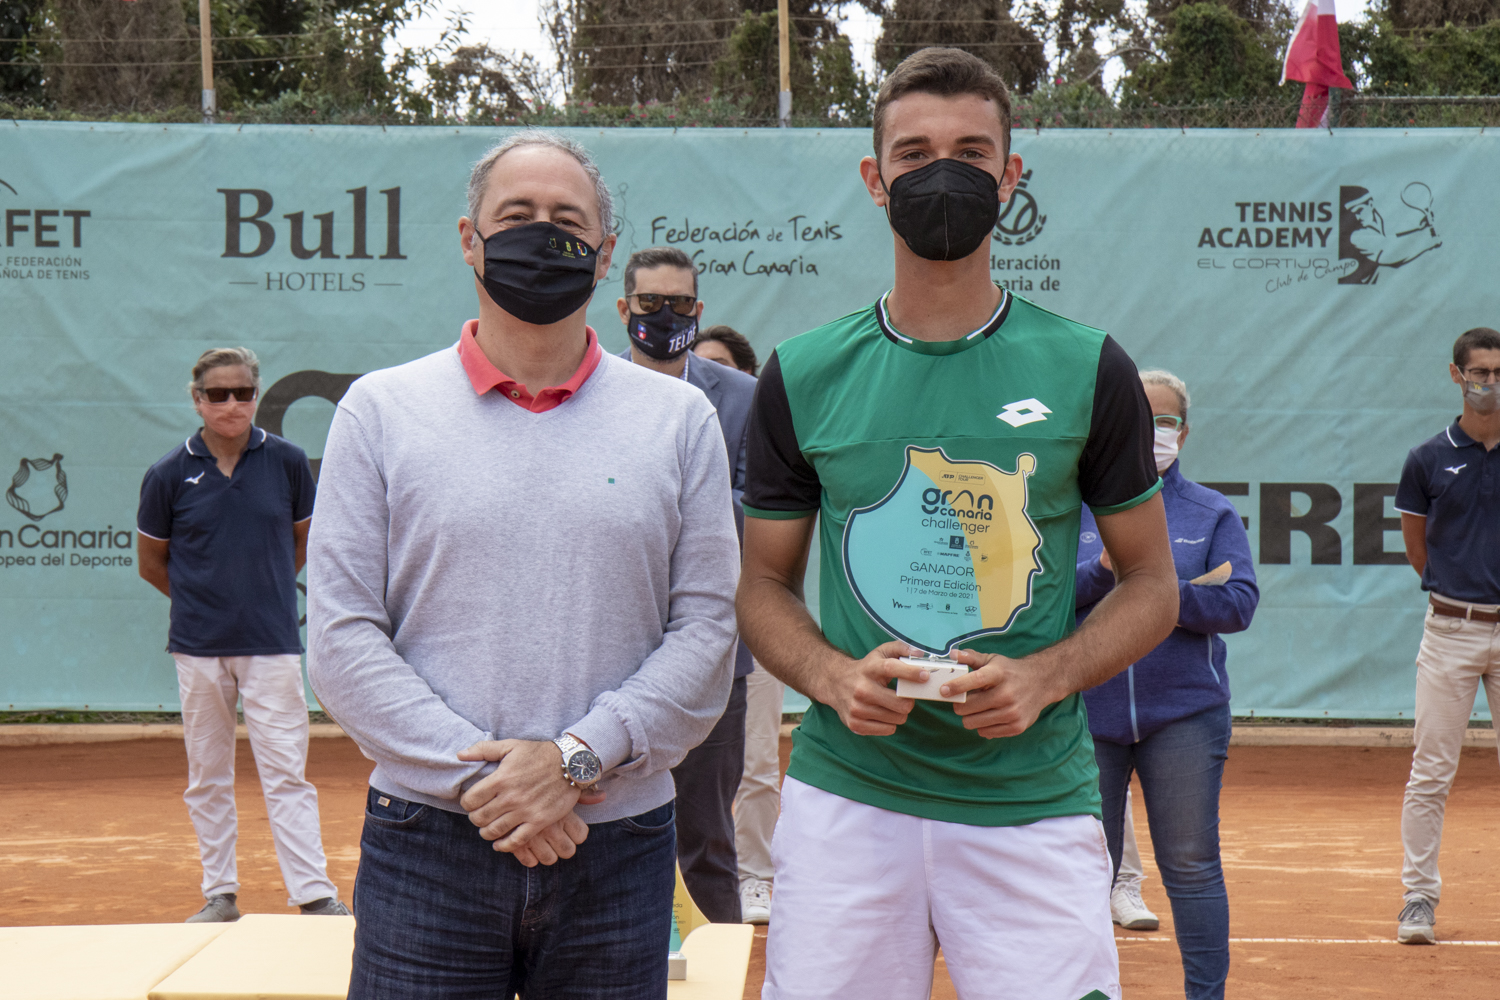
(1075, 109)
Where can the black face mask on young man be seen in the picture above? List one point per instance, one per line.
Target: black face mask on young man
(538, 272)
(664, 334)
(943, 210)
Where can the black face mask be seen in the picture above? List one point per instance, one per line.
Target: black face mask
(944, 210)
(664, 334)
(538, 273)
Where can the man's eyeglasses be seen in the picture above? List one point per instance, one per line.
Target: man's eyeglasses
(1482, 375)
(1167, 422)
(220, 394)
(650, 302)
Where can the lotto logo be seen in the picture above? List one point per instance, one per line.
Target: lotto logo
(1022, 412)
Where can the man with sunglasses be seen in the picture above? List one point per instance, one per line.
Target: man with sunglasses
(661, 310)
(1450, 521)
(222, 532)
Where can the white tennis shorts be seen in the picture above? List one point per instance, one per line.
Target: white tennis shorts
(864, 896)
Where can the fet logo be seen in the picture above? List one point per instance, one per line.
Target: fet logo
(250, 207)
(1371, 241)
(1020, 221)
(43, 225)
(40, 495)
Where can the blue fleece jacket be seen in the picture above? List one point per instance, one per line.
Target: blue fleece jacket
(1185, 674)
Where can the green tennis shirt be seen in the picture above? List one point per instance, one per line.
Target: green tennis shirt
(949, 478)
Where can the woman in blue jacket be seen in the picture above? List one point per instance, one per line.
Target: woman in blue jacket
(1166, 717)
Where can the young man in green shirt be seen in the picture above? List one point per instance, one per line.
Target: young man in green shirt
(948, 436)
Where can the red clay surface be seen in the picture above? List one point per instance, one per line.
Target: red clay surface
(97, 833)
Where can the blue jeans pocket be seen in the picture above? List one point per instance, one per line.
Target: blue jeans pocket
(393, 813)
(657, 820)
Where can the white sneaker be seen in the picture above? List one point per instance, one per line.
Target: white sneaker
(1414, 926)
(755, 901)
(1129, 910)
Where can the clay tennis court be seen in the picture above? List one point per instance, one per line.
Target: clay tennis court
(97, 833)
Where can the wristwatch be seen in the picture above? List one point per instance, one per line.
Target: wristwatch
(581, 767)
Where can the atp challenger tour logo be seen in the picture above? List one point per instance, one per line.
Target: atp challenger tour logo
(949, 553)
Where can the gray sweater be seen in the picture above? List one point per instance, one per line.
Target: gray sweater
(477, 571)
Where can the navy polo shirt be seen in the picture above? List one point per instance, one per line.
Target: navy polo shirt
(232, 558)
(1453, 482)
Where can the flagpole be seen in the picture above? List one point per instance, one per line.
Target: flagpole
(205, 42)
(784, 45)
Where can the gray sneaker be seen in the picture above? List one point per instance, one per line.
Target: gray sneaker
(328, 906)
(1416, 922)
(219, 909)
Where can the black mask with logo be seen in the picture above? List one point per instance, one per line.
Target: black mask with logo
(664, 334)
(943, 210)
(538, 273)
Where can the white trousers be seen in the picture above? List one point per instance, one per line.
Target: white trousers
(864, 896)
(1130, 851)
(276, 716)
(758, 801)
(1455, 656)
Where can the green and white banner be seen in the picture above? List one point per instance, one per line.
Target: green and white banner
(1308, 287)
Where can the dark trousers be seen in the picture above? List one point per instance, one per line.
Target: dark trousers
(706, 780)
(442, 915)
(1182, 769)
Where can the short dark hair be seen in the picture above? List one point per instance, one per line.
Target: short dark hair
(946, 73)
(1481, 337)
(658, 257)
(739, 347)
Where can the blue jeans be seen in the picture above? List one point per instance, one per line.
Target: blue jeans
(442, 915)
(1182, 769)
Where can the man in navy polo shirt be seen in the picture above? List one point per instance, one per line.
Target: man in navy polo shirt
(222, 528)
(1449, 499)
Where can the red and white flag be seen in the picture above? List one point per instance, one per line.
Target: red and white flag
(1312, 56)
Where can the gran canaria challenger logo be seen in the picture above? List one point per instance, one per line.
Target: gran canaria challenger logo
(948, 554)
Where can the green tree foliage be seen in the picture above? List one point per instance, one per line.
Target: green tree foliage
(23, 27)
(479, 83)
(116, 55)
(1408, 14)
(1209, 53)
(626, 52)
(102, 56)
(824, 81)
(984, 28)
(1446, 60)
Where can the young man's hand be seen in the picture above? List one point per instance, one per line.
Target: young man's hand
(525, 802)
(858, 689)
(1005, 695)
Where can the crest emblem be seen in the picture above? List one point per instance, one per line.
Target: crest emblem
(30, 496)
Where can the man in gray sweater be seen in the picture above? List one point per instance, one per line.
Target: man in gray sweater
(520, 605)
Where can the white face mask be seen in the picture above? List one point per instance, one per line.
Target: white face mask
(1165, 447)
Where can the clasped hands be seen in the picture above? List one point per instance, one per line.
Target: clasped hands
(1005, 696)
(525, 805)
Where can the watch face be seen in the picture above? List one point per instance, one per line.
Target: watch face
(583, 767)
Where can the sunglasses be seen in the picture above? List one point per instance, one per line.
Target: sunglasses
(650, 302)
(220, 394)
